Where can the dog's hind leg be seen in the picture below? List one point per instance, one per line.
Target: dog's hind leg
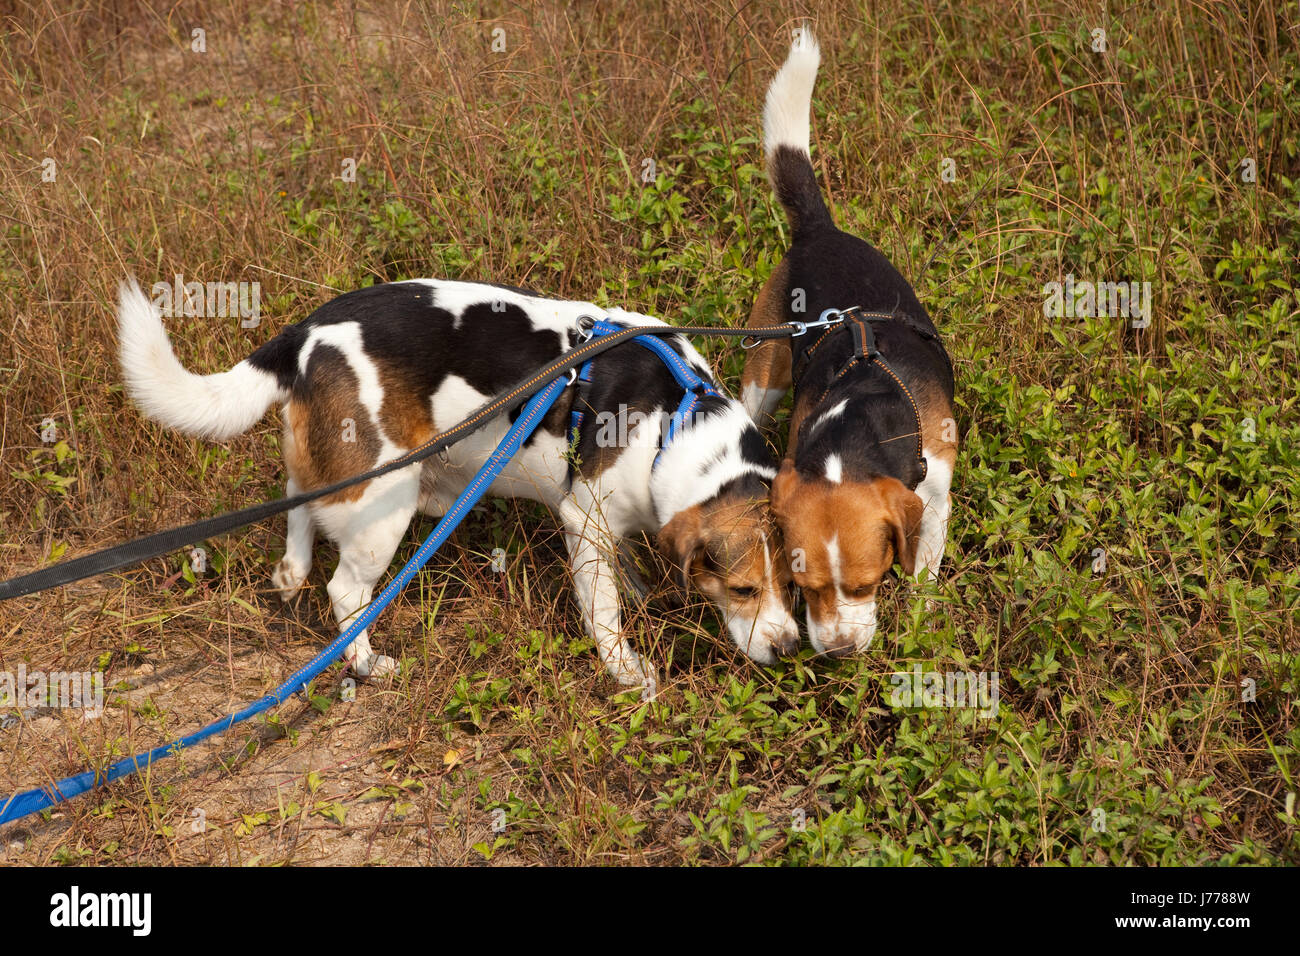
(293, 568)
(766, 377)
(368, 533)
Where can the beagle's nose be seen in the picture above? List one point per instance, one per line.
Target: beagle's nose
(838, 645)
(786, 642)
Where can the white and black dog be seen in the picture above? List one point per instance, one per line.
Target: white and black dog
(375, 373)
(873, 438)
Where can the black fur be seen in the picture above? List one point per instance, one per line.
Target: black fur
(796, 189)
(836, 270)
(403, 327)
(631, 378)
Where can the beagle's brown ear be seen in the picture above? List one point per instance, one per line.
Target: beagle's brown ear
(783, 487)
(681, 541)
(903, 510)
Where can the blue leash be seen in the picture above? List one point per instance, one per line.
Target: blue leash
(33, 801)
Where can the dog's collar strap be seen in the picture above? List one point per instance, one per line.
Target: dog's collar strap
(836, 319)
(686, 377)
(859, 322)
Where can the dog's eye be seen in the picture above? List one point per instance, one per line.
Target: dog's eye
(744, 593)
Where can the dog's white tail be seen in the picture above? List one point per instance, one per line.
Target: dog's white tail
(789, 97)
(786, 130)
(216, 406)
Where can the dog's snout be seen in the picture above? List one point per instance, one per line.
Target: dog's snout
(786, 642)
(839, 645)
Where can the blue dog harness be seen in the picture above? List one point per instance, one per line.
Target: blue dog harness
(686, 377)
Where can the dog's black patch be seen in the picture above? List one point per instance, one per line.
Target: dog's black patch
(748, 486)
(796, 188)
(628, 379)
(753, 449)
(838, 270)
(492, 346)
(280, 355)
(874, 435)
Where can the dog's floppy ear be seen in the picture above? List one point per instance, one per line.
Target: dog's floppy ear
(783, 488)
(681, 541)
(903, 510)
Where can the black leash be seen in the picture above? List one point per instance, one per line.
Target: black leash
(164, 542)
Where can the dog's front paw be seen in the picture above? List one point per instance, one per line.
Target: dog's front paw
(288, 579)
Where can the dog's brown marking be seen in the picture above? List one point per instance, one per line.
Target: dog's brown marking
(874, 523)
(723, 548)
(406, 415)
(768, 364)
(804, 405)
(318, 451)
(938, 424)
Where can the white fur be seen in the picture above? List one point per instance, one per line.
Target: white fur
(761, 402)
(789, 99)
(679, 482)
(215, 407)
(758, 637)
(933, 492)
(854, 622)
(456, 296)
(291, 571)
(826, 416)
(834, 469)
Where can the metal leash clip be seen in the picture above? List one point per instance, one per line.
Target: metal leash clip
(586, 325)
(829, 317)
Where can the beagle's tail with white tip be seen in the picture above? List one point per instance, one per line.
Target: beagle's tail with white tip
(786, 133)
